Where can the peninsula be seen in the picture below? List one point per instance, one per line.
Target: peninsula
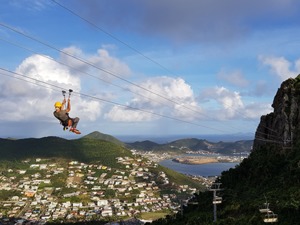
(196, 160)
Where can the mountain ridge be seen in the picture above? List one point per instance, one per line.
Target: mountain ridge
(82, 149)
(194, 144)
(179, 146)
(101, 136)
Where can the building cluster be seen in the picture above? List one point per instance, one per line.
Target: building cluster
(153, 156)
(43, 190)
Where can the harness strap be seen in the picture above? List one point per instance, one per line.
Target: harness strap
(65, 123)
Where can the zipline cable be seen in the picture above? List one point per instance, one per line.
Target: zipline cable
(47, 57)
(99, 99)
(96, 77)
(106, 71)
(99, 68)
(73, 68)
(96, 67)
(58, 89)
(112, 36)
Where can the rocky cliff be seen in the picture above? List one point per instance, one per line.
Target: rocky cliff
(280, 128)
(271, 173)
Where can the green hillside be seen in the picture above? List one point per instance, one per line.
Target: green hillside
(143, 145)
(271, 173)
(84, 149)
(264, 175)
(105, 137)
(193, 144)
(179, 178)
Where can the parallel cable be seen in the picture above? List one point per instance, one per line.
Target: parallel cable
(269, 135)
(90, 64)
(122, 42)
(99, 68)
(269, 141)
(73, 68)
(58, 88)
(106, 71)
(64, 64)
(99, 99)
(112, 36)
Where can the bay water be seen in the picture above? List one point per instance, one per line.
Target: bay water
(204, 170)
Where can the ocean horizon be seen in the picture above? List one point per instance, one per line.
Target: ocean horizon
(159, 139)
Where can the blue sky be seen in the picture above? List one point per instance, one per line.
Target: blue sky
(166, 67)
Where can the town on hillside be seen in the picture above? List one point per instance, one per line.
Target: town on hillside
(41, 190)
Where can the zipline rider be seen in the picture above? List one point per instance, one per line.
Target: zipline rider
(63, 116)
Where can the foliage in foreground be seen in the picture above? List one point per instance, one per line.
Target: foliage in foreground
(268, 174)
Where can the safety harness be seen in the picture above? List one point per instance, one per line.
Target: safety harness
(65, 123)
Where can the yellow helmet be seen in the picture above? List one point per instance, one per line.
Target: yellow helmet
(57, 104)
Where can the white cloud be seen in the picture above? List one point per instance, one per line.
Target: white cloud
(230, 102)
(170, 88)
(166, 96)
(255, 110)
(44, 69)
(297, 65)
(231, 105)
(280, 66)
(97, 64)
(30, 102)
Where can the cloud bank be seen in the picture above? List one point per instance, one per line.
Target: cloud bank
(32, 99)
(151, 99)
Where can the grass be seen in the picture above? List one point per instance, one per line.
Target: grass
(153, 215)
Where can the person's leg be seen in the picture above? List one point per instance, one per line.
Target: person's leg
(74, 125)
(70, 123)
(75, 122)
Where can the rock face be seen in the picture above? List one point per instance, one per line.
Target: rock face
(281, 127)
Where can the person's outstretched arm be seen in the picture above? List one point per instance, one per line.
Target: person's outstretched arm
(68, 106)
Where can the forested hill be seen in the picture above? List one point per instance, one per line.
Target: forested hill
(194, 144)
(83, 149)
(89, 149)
(271, 173)
(105, 137)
